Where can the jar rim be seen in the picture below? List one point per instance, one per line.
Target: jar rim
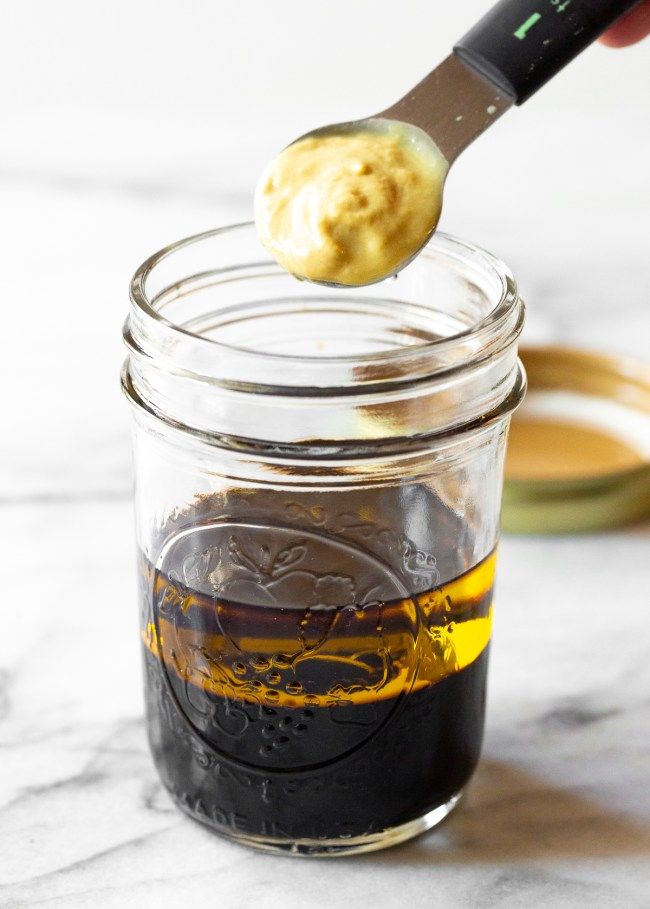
(423, 379)
(479, 331)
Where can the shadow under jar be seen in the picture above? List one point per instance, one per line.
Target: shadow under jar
(318, 485)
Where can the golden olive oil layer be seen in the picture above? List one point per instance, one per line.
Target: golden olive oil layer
(380, 652)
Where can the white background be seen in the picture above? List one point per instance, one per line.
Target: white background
(126, 125)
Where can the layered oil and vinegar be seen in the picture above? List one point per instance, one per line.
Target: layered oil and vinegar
(314, 679)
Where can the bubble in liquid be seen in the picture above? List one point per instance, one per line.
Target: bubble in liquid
(259, 664)
(281, 660)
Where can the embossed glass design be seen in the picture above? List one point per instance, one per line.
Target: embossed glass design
(318, 484)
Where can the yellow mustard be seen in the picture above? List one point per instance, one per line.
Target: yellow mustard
(351, 206)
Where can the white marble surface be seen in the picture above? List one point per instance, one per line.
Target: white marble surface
(128, 126)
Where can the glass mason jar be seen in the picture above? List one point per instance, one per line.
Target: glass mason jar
(318, 485)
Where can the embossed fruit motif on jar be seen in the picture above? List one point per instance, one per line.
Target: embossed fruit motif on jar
(318, 484)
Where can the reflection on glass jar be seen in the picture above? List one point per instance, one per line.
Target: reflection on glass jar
(318, 483)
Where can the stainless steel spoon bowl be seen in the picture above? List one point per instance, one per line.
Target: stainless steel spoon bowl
(510, 53)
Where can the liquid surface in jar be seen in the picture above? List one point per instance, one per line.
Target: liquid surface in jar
(286, 699)
(350, 207)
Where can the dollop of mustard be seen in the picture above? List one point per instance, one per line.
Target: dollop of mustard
(351, 207)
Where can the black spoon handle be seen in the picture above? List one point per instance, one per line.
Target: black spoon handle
(521, 44)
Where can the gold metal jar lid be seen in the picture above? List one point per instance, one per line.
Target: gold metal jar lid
(579, 448)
